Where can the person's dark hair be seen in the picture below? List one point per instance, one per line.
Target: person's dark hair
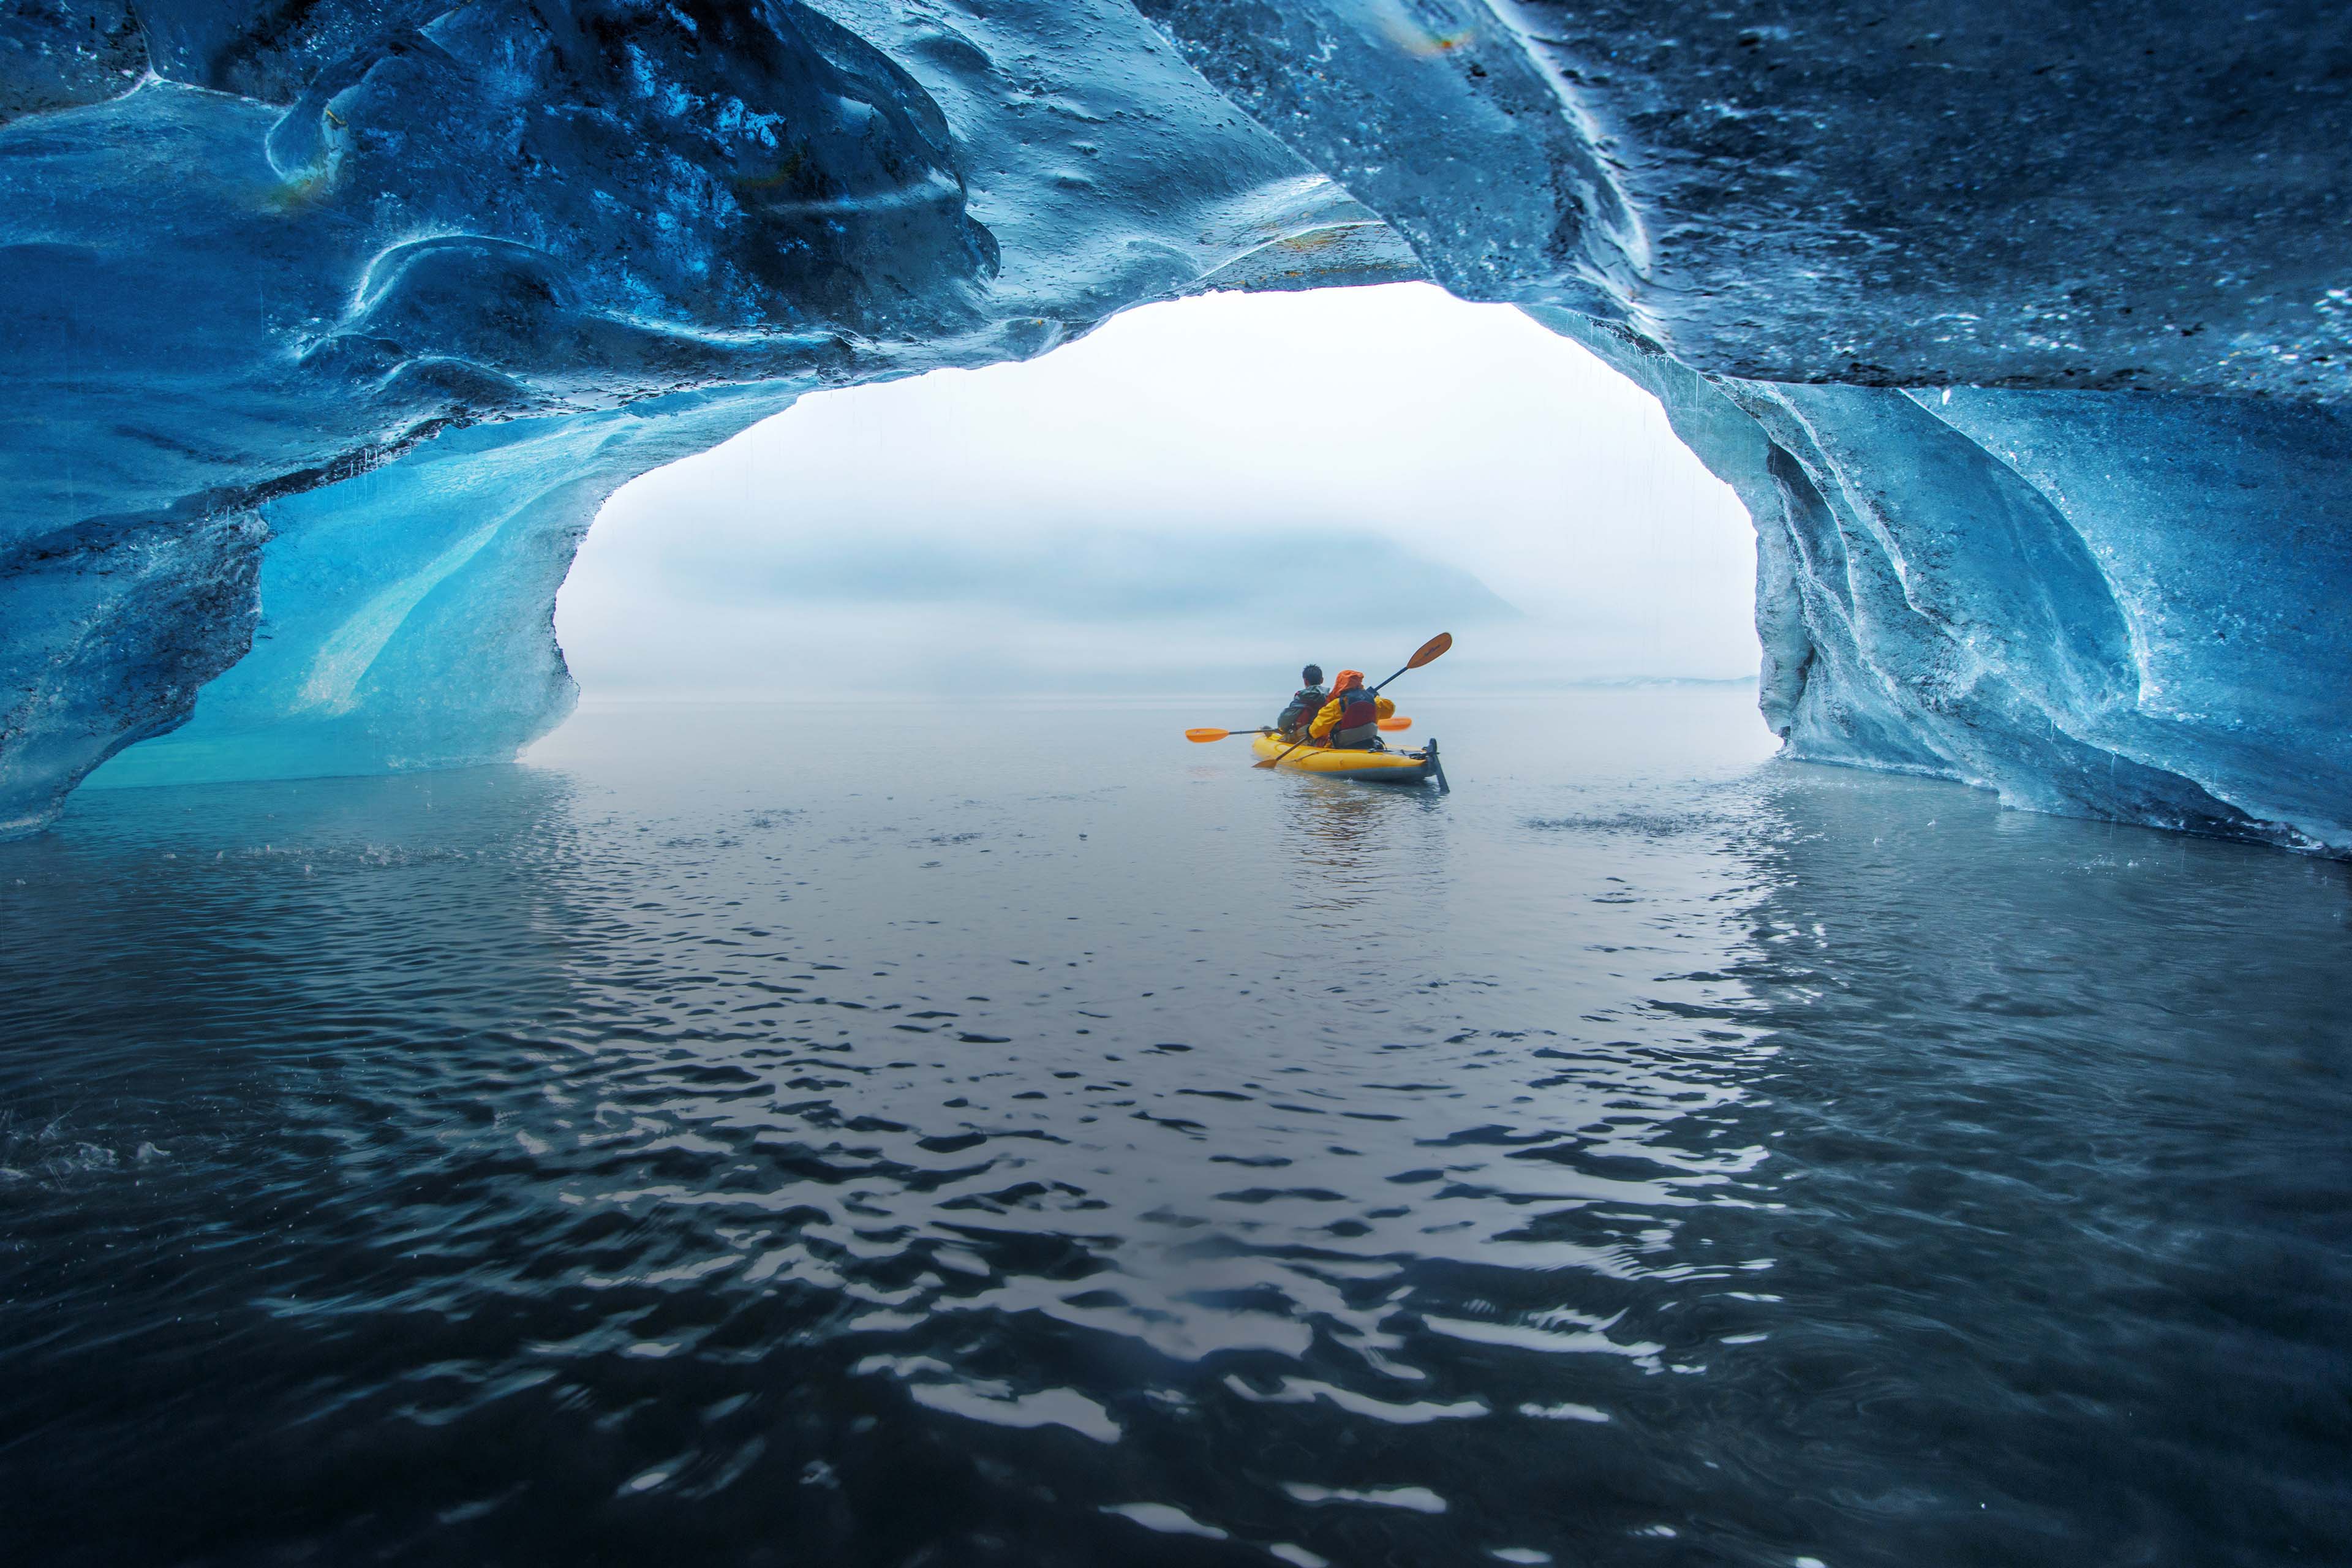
(1312, 675)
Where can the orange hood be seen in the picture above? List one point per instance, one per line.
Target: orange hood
(1349, 681)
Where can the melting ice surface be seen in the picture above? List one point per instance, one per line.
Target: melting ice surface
(874, 1135)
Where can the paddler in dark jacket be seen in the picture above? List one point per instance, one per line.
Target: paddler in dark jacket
(1349, 720)
(1304, 704)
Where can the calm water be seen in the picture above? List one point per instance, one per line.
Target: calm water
(814, 1136)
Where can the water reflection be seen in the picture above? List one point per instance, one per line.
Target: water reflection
(2057, 1187)
(610, 1164)
(1354, 843)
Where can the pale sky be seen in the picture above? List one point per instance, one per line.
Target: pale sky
(1198, 497)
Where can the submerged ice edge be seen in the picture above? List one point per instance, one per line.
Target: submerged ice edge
(328, 398)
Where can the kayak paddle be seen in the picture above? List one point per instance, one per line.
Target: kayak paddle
(1428, 654)
(1204, 735)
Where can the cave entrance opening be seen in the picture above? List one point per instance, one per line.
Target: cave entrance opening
(1194, 499)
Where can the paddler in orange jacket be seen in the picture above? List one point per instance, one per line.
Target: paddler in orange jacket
(1350, 720)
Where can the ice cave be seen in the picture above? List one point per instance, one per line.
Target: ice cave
(2023, 332)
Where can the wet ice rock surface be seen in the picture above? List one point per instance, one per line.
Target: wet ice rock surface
(340, 324)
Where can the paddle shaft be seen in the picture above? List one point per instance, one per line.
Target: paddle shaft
(1277, 760)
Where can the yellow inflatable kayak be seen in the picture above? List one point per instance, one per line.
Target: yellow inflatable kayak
(1367, 767)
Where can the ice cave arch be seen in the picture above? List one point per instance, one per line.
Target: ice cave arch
(2026, 349)
(1192, 499)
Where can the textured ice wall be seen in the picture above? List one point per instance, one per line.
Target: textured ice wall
(407, 613)
(327, 326)
(2097, 604)
(2223, 529)
(2109, 603)
(2133, 194)
(405, 290)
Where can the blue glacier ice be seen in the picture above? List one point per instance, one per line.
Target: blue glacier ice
(407, 613)
(2096, 604)
(339, 329)
(2021, 331)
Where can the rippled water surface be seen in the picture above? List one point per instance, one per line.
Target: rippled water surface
(1014, 1136)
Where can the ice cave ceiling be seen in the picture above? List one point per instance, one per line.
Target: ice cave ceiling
(2021, 330)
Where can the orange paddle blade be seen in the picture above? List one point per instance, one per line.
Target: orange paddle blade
(1431, 649)
(1399, 722)
(1206, 735)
